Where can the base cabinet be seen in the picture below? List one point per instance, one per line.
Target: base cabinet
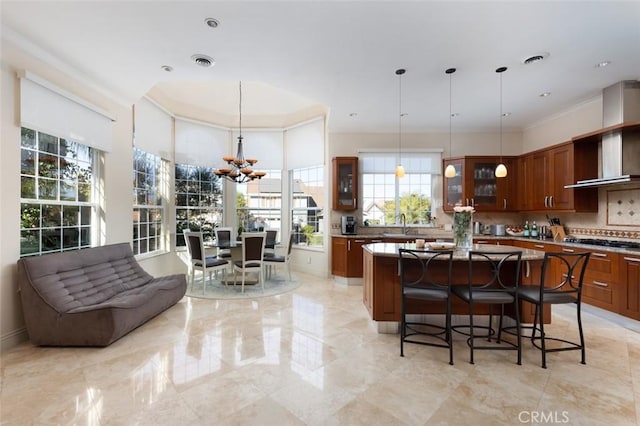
(601, 284)
(630, 286)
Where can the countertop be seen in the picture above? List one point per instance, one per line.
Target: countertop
(444, 235)
(391, 250)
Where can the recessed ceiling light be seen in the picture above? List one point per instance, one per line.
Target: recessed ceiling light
(602, 64)
(353, 114)
(544, 94)
(166, 68)
(455, 114)
(203, 60)
(535, 58)
(506, 114)
(404, 114)
(211, 22)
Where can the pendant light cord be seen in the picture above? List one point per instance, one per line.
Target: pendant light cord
(240, 108)
(400, 116)
(500, 117)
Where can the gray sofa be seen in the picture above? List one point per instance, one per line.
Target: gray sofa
(91, 297)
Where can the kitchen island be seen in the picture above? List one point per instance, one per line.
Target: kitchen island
(382, 293)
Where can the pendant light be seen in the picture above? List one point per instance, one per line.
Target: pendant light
(399, 168)
(501, 169)
(450, 171)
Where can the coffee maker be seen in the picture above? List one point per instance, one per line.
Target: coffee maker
(348, 225)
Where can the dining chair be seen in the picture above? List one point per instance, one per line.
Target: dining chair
(252, 257)
(270, 243)
(493, 280)
(272, 261)
(420, 282)
(199, 260)
(223, 241)
(568, 271)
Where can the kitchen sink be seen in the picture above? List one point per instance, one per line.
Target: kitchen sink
(391, 235)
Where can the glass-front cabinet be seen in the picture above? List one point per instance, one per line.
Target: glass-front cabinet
(345, 183)
(453, 187)
(475, 184)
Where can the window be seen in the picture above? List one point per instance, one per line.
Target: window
(385, 198)
(148, 211)
(56, 199)
(259, 203)
(198, 201)
(307, 205)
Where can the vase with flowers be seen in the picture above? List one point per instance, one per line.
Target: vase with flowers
(463, 227)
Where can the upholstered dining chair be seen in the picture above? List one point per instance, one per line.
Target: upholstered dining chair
(419, 282)
(493, 280)
(270, 243)
(272, 261)
(252, 257)
(223, 241)
(569, 269)
(199, 261)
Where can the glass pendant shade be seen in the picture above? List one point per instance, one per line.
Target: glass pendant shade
(399, 171)
(501, 170)
(450, 171)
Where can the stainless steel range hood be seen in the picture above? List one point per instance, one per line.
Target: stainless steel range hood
(619, 149)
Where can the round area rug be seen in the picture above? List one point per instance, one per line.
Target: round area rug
(217, 289)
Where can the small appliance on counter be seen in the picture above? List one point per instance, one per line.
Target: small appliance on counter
(348, 225)
(498, 230)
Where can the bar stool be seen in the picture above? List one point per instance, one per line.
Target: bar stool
(419, 282)
(569, 268)
(496, 285)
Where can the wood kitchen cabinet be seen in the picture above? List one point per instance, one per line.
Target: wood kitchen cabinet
(600, 286)
(629, 280)
(345, 183)
(346, 256)
(475, 184)
(544, 174)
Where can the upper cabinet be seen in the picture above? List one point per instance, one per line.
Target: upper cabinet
(544, 174)
(475, 184)
(345, 183)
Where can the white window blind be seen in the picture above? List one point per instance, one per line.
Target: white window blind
(153, 129)
(305, 145)
(50, 109)
(262, 145)
(412, 161)
(201, 145)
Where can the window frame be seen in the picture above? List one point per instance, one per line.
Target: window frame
(416, 162)
(155, 214)
(83, 223)
(318, 236)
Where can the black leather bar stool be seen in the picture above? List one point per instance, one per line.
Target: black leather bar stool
(420, 282)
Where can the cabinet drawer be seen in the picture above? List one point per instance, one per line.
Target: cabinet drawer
(598, 290)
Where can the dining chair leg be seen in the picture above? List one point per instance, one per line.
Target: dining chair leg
(542, 339)
(583, 361)
(471, 332)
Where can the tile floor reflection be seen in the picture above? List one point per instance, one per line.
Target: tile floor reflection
(313, 357)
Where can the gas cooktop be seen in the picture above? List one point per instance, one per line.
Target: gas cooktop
(607, 243)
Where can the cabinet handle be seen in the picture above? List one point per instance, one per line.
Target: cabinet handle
(568, 250)
(538, 246)
(354, 202)
(551, 201)
(360, 241)
(546, 201)
(348, 245)
(599, 255)
(482, 242)
(600, 284)
(527, 269)
(504, 203)
(376, 241)
(467, 202)
(473, 202)
(631, 259)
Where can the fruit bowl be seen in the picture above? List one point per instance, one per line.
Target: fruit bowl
(515, 231)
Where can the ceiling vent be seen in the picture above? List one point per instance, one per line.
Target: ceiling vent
(203, 60)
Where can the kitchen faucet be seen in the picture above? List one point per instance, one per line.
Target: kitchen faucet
(403, 218)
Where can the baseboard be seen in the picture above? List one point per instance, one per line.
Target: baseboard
(348, 281)
(13, 339)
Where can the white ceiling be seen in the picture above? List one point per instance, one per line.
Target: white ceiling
(342, 55)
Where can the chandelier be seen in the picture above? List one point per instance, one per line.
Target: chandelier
(239, 170)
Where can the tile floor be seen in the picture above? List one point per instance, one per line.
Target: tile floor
(313, 357)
